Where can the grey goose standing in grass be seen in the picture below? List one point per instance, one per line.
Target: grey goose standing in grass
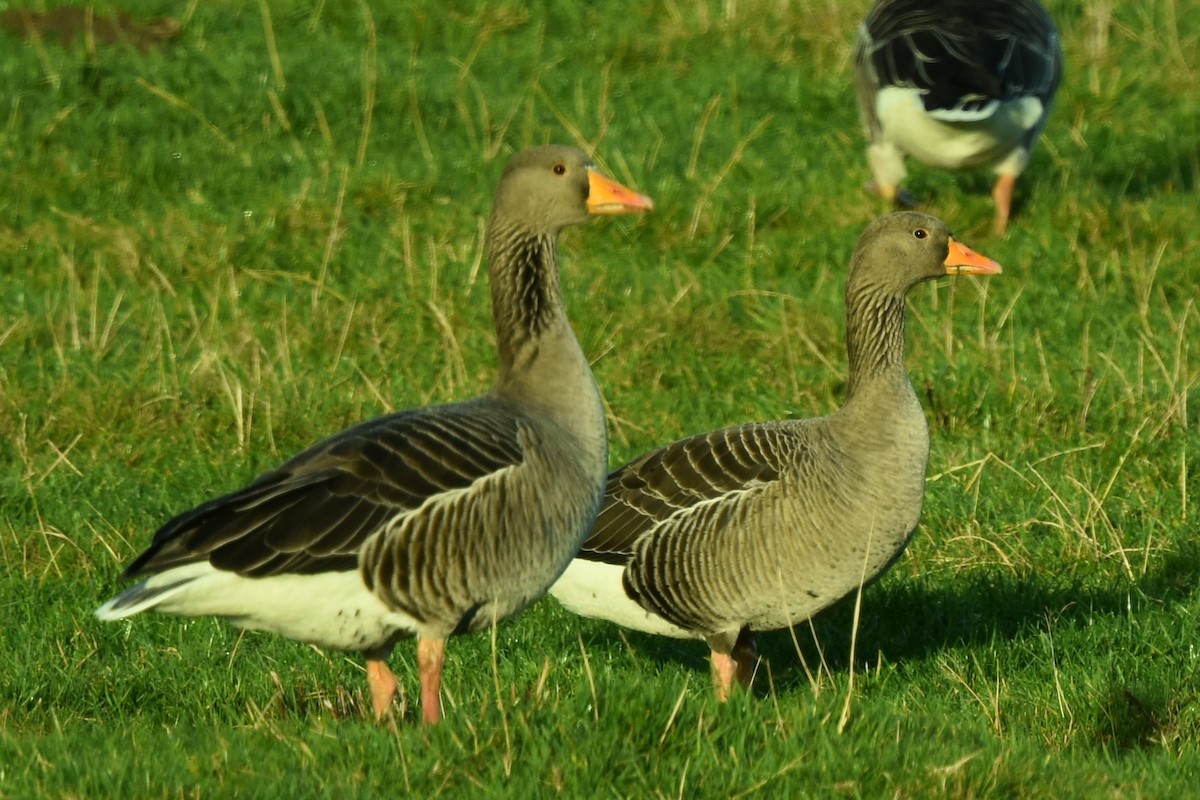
(758, 527)
(956, 84)
(433, 521)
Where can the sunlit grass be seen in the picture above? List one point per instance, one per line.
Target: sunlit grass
(271, 228)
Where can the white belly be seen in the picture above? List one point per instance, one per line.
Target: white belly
(949, 141)
(330, 609)
(594, 589)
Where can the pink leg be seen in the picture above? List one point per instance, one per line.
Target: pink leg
(1002, 194)
(382, 685)
(894, 195)
(723, 670)
(431, 654)
(740, 663)
(888, 193)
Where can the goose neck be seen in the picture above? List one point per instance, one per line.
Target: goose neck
(874, 336)
(526, 298)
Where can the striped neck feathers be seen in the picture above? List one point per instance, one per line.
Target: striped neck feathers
(874, 334)
(526, 297)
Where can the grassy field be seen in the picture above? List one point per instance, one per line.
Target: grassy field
(270, 228)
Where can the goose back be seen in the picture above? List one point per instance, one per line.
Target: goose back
(961, 54)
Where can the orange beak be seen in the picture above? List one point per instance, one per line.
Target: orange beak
(606, 196)
(962, 260)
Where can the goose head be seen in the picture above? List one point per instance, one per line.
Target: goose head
(547, 188)
(900, 250)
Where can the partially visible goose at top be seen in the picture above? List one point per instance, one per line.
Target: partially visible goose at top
(956, 84)
(433, 521)
(758, 527)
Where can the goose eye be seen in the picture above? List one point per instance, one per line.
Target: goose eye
(920, 233)
(559, 169)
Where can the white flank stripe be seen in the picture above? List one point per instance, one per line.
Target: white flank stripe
(594, 589)
(330, 609)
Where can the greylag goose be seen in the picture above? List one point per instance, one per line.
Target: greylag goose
(432, 521)
(758, 527)
(956, 84)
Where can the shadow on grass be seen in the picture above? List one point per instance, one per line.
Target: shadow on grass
(909, 621)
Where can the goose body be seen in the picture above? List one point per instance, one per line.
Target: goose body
(758, 527)
(956, 84)
(432, 521)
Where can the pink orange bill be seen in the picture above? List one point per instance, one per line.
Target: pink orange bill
(606, 196)
(962, 260)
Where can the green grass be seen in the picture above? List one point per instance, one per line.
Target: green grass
(219, 251)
